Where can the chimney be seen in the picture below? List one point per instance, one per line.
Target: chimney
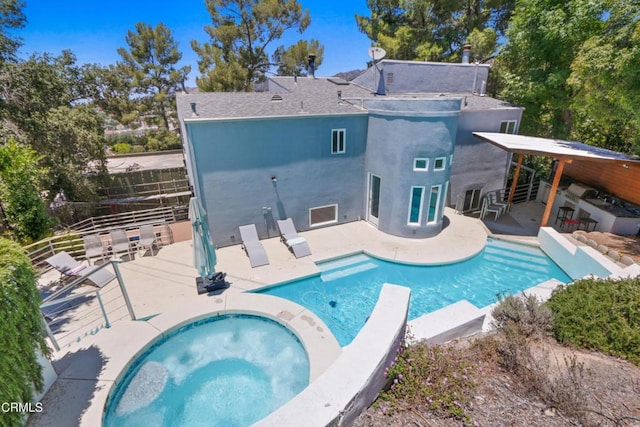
(466, 53)
(194, 113)
(311, 71)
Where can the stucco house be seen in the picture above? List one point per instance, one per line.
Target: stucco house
(392, 147)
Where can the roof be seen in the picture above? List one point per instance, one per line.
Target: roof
(285, 96)
(555, 148)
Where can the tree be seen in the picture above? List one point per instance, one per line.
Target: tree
(236, 56)
(11, 18)
(44, 103)
(545, 38)
(294, 60)
(112, 90)
(150, 60)
(24, 210)
(434, 30)
(604, 80)
(21, 332)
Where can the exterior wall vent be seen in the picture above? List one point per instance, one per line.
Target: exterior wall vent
(389, 78)
(276, 98)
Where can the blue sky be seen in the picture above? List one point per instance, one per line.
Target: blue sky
(93, 30)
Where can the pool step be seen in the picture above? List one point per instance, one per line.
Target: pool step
(343, 262)
(327, 277)
(521, 264)
(517, 255)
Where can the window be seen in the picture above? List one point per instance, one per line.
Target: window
(438, 164)
(415, 205)
(450, 159)
(338, 141)
(434, 202)
(323, 215)
(420, 164)
(508, 126)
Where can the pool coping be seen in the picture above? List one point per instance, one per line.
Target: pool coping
(90, 372)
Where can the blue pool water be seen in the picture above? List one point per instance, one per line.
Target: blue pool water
(224, 371)
(346, 291)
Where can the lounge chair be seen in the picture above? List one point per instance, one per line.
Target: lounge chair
(93, 246)
(298, 245)
(148, 238)
(69, 267)
(120, 242)
(252, 246)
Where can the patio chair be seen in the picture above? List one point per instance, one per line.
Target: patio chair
(93, 247)
(69, 267)
(252, 246)
(487, 207)
(147, 238)
(288, 234)
(120, 242)
(494, 197)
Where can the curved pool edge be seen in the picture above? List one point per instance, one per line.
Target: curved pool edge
(99, 364)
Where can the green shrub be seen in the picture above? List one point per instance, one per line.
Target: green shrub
(122, 148)
(599, 314)
(21, 331)
(431, 375)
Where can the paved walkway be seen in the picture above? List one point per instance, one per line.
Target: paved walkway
(165, 283)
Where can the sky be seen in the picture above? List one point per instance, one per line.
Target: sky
(94, 30)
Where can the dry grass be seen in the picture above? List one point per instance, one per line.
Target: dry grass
(609, 389)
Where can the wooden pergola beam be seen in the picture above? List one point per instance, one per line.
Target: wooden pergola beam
(514, 183)
(552, 192)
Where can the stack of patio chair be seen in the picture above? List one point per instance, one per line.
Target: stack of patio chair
(93, 247)
(495, 199)
(288, 234)
(488, 207)
(120, 242)
(252, 246)
(70, 268)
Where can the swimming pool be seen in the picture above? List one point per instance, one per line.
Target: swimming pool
(347, 289)
(221, 371)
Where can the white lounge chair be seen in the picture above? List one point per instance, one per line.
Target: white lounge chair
(93, 247)
(120, 242)
(148, 238)
(297, 244)
(252, 246)
(69, 267)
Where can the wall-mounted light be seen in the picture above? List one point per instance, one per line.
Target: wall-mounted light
(274, 178)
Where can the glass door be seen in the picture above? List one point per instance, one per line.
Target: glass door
(374, 199)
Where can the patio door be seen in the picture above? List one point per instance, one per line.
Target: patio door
(374, 199)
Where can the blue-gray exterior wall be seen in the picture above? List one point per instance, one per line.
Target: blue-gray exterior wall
(425, 77)
(397, 135)
(477, 164)
(234, 160)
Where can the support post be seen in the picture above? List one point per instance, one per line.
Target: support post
(47, 329)
(104, 312)
(552, 192)
(514, 183)
(116, 269)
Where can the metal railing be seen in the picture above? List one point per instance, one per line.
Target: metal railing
(160, 215)
(69, 316)
(523, 192)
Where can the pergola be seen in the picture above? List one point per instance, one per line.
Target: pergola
(562, 151)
